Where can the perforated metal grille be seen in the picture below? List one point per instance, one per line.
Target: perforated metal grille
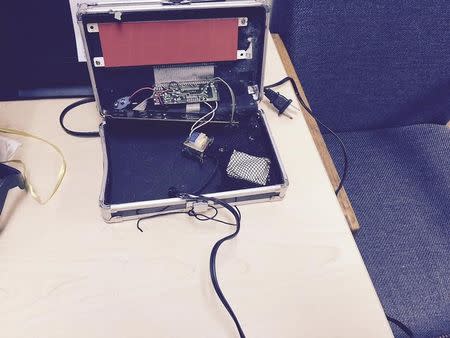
(249, 168)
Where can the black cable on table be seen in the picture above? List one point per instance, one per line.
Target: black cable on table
(205, 218)
(212, 260)
(86, 134)
(305, 106)
(138, 224)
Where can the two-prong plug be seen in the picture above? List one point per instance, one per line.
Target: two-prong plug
(280, 102)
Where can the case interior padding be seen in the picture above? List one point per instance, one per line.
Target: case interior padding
(145, 158)
(168, 42)
(115, 82)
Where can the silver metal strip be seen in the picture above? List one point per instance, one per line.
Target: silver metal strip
(138, 6)
(116, 219)
(175, 201)
(168, 120)
(266, 37)
(106, 209)
(277, 153)
(90, 68)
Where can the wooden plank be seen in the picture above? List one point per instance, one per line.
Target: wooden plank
(318, 139)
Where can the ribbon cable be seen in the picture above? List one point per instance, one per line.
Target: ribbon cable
(29, 187)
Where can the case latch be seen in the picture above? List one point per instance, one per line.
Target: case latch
(198, 206)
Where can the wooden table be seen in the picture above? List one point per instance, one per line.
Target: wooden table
(293, 271)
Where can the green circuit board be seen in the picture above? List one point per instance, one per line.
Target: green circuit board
(185, 93)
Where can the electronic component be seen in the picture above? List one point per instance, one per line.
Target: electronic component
(196, 145)
(193, 107)
(122, 103)
(183, 73)
(185, 92)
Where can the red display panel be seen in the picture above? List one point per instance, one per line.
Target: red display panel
(168, 42)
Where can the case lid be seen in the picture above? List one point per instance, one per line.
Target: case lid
(146, 51)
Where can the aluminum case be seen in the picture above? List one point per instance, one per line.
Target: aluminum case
(134, 210)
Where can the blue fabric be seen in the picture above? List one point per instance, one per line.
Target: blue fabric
(370, 64)
(399, 185)
(379, 72)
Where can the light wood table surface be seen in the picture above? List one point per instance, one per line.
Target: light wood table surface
(293, 271)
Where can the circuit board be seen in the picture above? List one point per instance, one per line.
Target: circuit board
(185, 92)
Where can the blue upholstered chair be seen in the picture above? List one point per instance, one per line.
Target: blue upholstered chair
(378, 73)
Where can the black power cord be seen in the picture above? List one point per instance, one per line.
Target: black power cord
(212, 260)
(281, 103)
(86, 134)
(402, 326)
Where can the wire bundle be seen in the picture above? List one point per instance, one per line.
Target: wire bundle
(211, 116)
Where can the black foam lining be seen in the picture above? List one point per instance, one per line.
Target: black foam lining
(145, 158)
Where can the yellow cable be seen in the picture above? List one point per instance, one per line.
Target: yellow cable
(28, 185)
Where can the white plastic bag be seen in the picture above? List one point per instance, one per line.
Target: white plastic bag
(8, 148)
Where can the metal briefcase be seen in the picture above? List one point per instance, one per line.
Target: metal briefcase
(178, 84)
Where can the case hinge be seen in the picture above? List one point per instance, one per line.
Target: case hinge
(176, 2)
(186, 2)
